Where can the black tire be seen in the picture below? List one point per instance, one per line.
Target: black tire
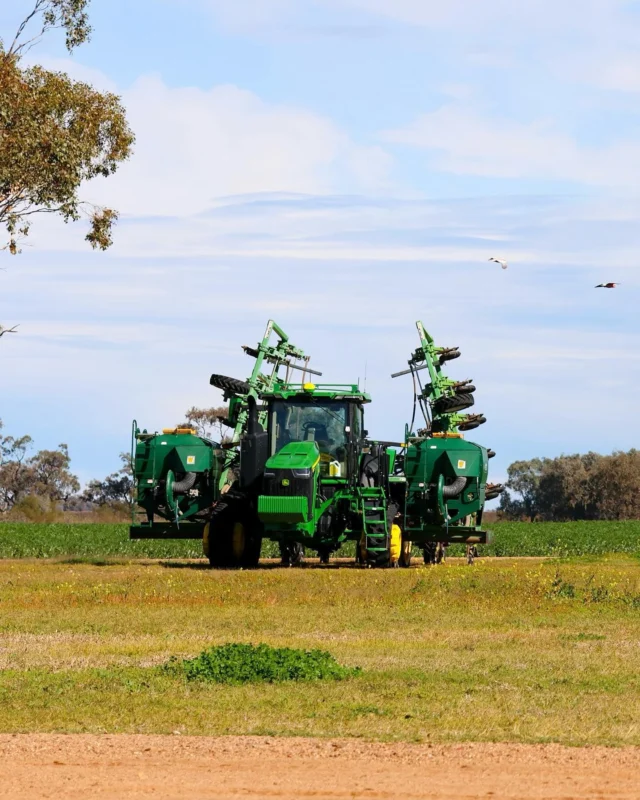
(449, 356)
(222, 538)
(292, 554)
(251, 556)
(378, 560)
(451, 405)
(229, 385)
(468, 389)
(369, 470)
(219, 541)
(429, 553)
(469, 426)
(324, 553)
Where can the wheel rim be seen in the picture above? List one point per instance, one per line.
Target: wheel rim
(238, 540)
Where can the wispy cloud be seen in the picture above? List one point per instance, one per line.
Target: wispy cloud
(465, 142)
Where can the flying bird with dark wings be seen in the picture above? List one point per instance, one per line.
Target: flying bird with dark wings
(607, 285)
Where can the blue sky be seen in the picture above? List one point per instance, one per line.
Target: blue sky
(346, 167)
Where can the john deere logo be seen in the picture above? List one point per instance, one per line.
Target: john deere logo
(285, 481)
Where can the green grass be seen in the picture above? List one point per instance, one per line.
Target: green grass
(93, 541)
(505, 650)
(27, 540)
(564, 538)
(249, 663)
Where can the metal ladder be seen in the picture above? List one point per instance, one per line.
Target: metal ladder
(375, 527)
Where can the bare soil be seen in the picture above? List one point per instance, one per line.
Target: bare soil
(114, 767)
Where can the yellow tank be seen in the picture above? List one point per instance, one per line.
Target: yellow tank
(395, 544)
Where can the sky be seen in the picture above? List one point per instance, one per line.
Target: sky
(345, 167)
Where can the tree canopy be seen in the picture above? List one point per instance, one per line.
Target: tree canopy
(45, 474)
(209, 422)
(574, 487)
(55, 133)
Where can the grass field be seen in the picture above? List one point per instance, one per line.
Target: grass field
(26, 540)
(507, 650)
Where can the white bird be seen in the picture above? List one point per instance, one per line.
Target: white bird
(502, 263)
(607, 285)
(7, 330)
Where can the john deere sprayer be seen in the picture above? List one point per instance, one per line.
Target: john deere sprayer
(300, 468)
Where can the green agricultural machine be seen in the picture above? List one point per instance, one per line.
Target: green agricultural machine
(299, 468)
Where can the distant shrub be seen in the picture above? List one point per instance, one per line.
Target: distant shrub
(247, 663)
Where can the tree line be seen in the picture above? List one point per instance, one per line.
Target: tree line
(36, 485)
(573, 487)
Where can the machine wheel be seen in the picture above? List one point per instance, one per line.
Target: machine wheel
(451, 405)
(292, 554)
(449, 355)
(232, 538)
(405, 555)
(429, 553)
(475, 423)
(324, 554)
(229, 385)
(246, 544)
(217, 546)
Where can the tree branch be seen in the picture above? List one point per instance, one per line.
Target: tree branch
(15, 50)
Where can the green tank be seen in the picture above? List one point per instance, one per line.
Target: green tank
(177, 475)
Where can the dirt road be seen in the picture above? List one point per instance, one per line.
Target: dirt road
(117, 767)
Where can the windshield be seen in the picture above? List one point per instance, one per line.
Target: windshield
(323, 422)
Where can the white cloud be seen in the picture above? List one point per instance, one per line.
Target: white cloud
(73, 68)
(617, 72)
(540, 14)
(193, 146)
(466, 143)
(249, 13)
(461, 14)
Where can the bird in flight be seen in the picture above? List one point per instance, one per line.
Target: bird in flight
(7, 330)
(500, 261)
(607, 285)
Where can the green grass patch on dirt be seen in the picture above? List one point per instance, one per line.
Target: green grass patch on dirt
(248, 663)
(96, 541)
(506, 650)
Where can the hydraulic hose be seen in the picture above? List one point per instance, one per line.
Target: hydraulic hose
(454, 489)
(183, 486)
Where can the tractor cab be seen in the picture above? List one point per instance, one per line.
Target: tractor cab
(329, 416)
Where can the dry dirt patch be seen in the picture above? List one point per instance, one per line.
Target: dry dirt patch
(115, 767)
